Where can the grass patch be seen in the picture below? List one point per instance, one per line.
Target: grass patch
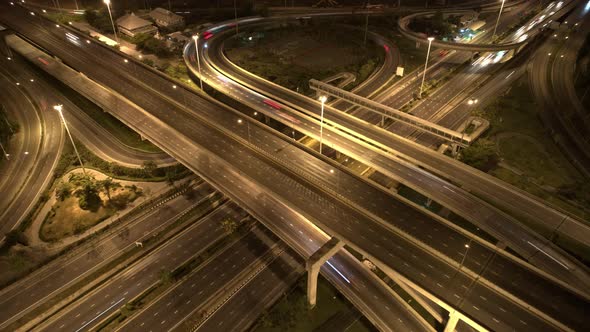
(293, 54)
(291, 313)
(64, 18)
(536, 163)
(523, 143)
(150, 172)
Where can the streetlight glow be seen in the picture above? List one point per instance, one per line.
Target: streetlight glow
(323, 101)
(59, 109)
(196, 38)
(498, 20)
(108, 3)
(430, 39)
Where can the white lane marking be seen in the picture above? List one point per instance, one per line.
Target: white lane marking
(100, 314)
(541, 250)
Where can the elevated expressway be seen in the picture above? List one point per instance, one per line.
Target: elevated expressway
(34, 150)
(516, 43)
(32, 168)
(84, 128)
(337, 136)
(551, 74)
(376, 147)
(364, 289)
(276, 173)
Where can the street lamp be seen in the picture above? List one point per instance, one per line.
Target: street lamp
(498, 20)
(59, 108)
(430, 39)
(196, 38)
(240, 121)
(323, 101)
(108, 3)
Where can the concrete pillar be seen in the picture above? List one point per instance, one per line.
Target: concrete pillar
(315, 262)
(428, 202)
(452, 322)
(266, 119)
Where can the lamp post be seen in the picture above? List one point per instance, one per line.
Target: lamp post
(59, 108)
(196, 38)
(498, 20)
(467, 246)
(6, 154)
(240, 121)
(108, 3)
(323, 101)
(430, 39)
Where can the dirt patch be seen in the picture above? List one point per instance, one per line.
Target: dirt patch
(76, 212)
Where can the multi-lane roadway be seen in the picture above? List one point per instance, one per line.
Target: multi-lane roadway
(210, 125)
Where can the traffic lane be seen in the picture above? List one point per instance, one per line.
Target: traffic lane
(374, 246)
(96, 138)
(218, 147)
(266, 140)
(430, 108)
(314, 108)
(452, 242)
(192, 295)
(23, 146)
(247, 304)
(344, 271)
(61, 273)
(529, 248)
(85, 314)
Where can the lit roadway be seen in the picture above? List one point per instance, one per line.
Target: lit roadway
(272, 170)
(85, 129)
(299, 232)
(197, 291)
(99, 304)
(249, 302)
(34, 150)
(28, 293)
(493, 221)
(552, 81)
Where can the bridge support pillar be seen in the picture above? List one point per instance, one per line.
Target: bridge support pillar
(266, 119)
(454, 149)
(315, 262)
(452, 322)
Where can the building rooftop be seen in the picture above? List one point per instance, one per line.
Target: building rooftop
(132, 22)
(164, 15)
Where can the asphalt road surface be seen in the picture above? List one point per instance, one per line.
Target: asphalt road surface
(88, 312)
(34, 150)
(28, 293)
(321, 208)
